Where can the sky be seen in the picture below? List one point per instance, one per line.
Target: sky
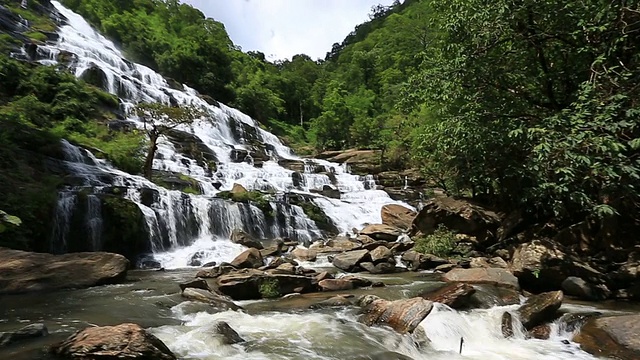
(283, 28)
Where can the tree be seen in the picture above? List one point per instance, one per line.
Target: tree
(158, 120)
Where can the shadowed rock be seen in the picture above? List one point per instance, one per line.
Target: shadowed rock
(540, 308)
(401, 315)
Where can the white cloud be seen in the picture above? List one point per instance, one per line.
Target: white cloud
(283, 28)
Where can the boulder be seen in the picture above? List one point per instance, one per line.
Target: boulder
(125, 341)
(381, 254)
(195, 284)
(229, 336)
(22, 271)
(401, 315)
(494, 276)
(349, 261)
(482, 262)
(304, 254)
(381, 232)
(250, 258)
(238, 189)
(454, 295)
(286, 268)
(251, 284)
(575, 286)
(381, 268)
(542, 265)
(611, 336)
(444, 268)
(540, 308)
(240, 237)
(488, 296)
(541, 332)
(215, 271)
(458, 215)
(293, 165)
(417, 261)
(335, 285)
(208, 297)
(360, 162)
(328, 191)
(506, 325)
(336, 301)
(31, 331)
(397, 216)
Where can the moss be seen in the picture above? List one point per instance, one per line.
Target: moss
(255, 197)
(315, 213)
(37, 21)
(124, 227)
(441, 243)
(36, 35)
(8, 42)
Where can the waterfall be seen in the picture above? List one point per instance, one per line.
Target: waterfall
(64, 209)
(177, 222)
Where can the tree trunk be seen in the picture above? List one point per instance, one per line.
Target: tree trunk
(151, 153)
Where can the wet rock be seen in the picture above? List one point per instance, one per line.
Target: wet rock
(540, 308)
(196, 259)
(506, 325)
(381, 232)
(488, 296)
(125, 341)
(250, 284)
(575, 286)
(328, 191)
(31, 331)
(417, 261)
(574, 321)
(240, 237)
(445, 267)
(297, 179)
(458, 215)
(386, 355)
(482, 262)
(349, 261)
(211, 298)
(361, 162)
(381, 268)
(342, 243)
(286, 268)
(304, 254)
(250, 258)
(541, 332)
(275, 250)
(542, 265)
(365, 300)
(401, 315)
(397, 216)
(229, 336)
(238, 155)
(494, 276)
(336, 285)
(323, 275)
(336, 301)
(195, 284)
(238, 189)
(455, 295)
(215, 272)
(357, 281)
(294, 165)
(611, 336)
(209, 264)
(380, 254)
(22, 271)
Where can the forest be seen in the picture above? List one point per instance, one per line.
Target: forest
(529, 105)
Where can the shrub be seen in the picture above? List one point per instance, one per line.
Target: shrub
(441, 243)
(269, 288)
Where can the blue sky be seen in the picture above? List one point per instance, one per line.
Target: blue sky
(283, 28)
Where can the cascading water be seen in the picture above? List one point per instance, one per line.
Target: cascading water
(177, 221)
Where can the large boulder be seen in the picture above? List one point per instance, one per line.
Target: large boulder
(542, 265)
(397, 216)
(125, 341)
(250, 258)
(454, 295)
(418, 261)
(381, 232)
(381, 254)
(380, 268)
(458, 215)
(209, 297)
(578, 287)
(349, 261)
(401, 315)
(304, 254)
(238, 189)
(22, 271)
(229, 335)
(335, 285)
(240, 237)
(540, 308)
(493, 276)
(612, 336)
(251, 284)
(28, 332)
(361, 162)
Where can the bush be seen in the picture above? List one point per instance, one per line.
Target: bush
(269, 288)
(441, 243)
(255, 197)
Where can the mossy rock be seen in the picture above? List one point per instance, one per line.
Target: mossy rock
(176, 181)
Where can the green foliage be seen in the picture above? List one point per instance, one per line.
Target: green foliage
(7, 221)
(269, 288)
(315, 213)
(36, 35)
(441, 243)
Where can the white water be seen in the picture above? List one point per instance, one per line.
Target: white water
(329, 335)
(222, 129)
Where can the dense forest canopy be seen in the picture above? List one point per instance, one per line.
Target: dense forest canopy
(526, 105)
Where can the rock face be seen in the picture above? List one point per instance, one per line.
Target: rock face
(401, 315)
(22, 271)
(457, 215)
(542, 265)
(250, 258)
(244, 239)
(125, 341)
(397, 216)
(455, 295)
(493, 276)
(381, 232)
(28, 332)
(613, 336)
(349, 261)
(540, 308)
